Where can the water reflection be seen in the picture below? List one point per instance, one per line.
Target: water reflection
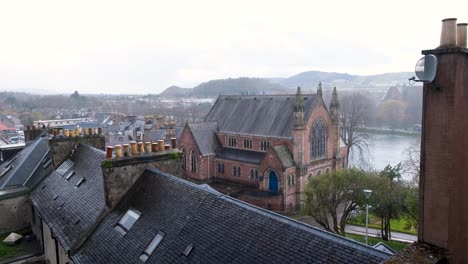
(386, 149)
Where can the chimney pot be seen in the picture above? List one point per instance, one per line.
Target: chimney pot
(173, 143)
(109, 151)
(133, 146)
(118, 151)
(167, 147)
(161, 144)
(125, 150)
(141, 148)
(448, 37)
(85, 132)
(148, 147)
(155, 147)
(461, 35)
(99, 130)
(72, 133)
(66, 133)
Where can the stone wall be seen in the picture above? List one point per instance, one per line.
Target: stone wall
(61, 147)
(15, 213)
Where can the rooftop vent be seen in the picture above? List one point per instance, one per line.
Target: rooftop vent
(187, 250)
(69, 175)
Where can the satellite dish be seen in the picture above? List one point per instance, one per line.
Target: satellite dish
(426, 68)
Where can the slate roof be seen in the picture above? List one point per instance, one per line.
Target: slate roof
(220, 228)
(249, 156)
(27, 167)
(204, 134)
(68, 210)
(83, 125)
(260, 115)
(284, 155)
(155, 135)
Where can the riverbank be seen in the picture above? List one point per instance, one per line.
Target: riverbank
(390, 131)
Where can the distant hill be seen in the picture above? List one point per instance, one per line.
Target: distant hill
(230, 86)
(306, 80)
(176, 91)
(310, 79)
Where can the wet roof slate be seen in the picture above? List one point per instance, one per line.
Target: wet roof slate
(204, 134)
(221, 229)
(261, 115)
(26, 165)
(61, 203)
(249, 156)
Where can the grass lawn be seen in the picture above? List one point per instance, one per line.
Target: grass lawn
(397, 225)
(6, 251)
(397, 246)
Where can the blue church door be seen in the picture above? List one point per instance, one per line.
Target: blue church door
(273, 182)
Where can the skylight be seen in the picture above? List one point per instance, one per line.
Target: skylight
(80, 182)
(69, 175)
(187, 250)
(127, 221)
(152, 246)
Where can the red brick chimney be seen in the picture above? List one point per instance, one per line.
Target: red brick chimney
(443, 219)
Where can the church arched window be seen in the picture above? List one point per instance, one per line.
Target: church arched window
(318, 139)
(193, 161)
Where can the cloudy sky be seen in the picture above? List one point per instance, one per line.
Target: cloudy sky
(146, 46)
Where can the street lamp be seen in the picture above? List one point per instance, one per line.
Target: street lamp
(367, 193)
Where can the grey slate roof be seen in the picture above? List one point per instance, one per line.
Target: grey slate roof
(155, 135)
(249, 156)
(261, 115)
(204, 134)
(220, 228)
(26, 166)
(285, 156)
(68, 210)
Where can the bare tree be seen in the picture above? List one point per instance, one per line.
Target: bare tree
(411, 164)
(356, 110)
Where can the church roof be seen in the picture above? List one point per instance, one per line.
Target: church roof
(242, 155)
(204, 134)
(202, 226)
(284, 155)
(260, 115)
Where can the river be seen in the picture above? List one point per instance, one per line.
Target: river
(386, 149)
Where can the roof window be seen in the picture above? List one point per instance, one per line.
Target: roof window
(80, 182)
(187, 250)
(69, 175)
(152, 246)
(127, 221)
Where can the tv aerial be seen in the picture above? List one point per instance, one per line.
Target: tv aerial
(425, 69)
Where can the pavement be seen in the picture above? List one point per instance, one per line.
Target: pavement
(359, 230)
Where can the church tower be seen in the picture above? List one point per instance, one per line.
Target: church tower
(299, 128)
(335, 117)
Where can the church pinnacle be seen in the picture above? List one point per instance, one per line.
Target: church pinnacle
(319, 89)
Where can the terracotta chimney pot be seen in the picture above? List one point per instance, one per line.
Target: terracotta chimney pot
(448, 37)
(118, 151)
(155, 147)
(141, 148)
(133, 146)
(173, 143)
(126, 148)
(461, 35)
(161, 144)
(109, 151)
(66, 133)
(148, 146)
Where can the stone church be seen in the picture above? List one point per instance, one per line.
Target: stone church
(263, 149)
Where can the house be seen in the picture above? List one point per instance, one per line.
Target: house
(267, 145)
(125, 211)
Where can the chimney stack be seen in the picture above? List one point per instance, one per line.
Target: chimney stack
(461, 35)
(448, 37)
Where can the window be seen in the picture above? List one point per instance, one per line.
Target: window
(289, 180)
(247, 143)
(318, 140)
(221, 168)
(264, 145)
(236, 171)
(152, 246)
(256, 175)
(184, 161)
(252, 177)
(127, 221)
(293, 179)
(232, 142)
(193, 161)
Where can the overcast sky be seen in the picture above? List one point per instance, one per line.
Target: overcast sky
(146, 46)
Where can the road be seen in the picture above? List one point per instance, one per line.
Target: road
(359, 230)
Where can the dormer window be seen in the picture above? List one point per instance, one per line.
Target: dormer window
(127, 221)
(152, 246)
